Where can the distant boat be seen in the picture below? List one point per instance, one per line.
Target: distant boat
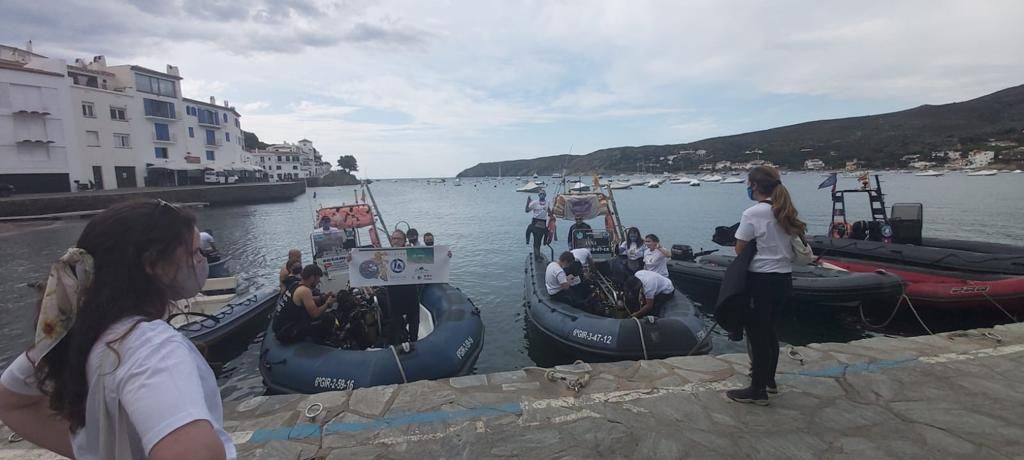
(984, 172)
(530, 187)
(556, 176)
(694, 183)
(681, 180)
(620, 186)
(579, 187)
(654, 184)
(458, 182)
(638, 182)
(711, 178)
(930, 173)
(733, 180)
(1017, 171)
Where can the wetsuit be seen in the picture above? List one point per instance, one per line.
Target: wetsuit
(538, 227)
(292, 322)
(404, 303)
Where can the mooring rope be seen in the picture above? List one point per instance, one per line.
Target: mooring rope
(990, 299)
(640, 330)
(399, 362)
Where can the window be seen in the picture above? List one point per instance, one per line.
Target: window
(92, 138)
(279, 158)
(154, 108)
(237, 125)
(191, 132)
(225, 118)
(163, 133)
(118, 113)
(210, 155)
(211, 137)
(154, 85)
(208, 117)
(122, 141)
(227, 137)
(161, 152)
(295, 167)
(87, 110)
(278, 167)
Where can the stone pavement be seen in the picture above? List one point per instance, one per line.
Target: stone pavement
(953, 395)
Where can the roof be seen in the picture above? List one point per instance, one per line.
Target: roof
(154, 72)
(305, 140)
(221, 107)
(4, 65)
(72, 68)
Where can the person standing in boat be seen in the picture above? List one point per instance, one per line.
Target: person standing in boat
(773, 223)
(655, 255)
(413, 236)
(403, 303)
(538, 228)
(579, 234)
(631, 256)
(107, 377)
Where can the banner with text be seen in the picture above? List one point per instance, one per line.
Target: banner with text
(394, 266)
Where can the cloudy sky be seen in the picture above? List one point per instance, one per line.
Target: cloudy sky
(422, 88)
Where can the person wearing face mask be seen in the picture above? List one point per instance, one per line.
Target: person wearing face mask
(655, 256)
(631, 256)
(428, 240)
(538, 227)
(772, 224)
(299, 315)
(106, 376)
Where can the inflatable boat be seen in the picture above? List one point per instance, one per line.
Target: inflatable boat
(675, 331)
(812, 285)
(221, 309)
(451, 336)
(946, 290)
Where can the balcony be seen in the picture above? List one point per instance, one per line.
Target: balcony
(209, 124)
(168, 139)
(163, 116)
(216, 143)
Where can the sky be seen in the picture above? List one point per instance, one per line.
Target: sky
(428, 88)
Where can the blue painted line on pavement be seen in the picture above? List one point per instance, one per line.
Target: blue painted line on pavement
(311, 430)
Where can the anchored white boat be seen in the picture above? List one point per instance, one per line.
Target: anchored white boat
(654, 183)
(579, 187)
(694, 183)
(530, 187)
(711, 178)
(733, 180)
(620, 186)
(984, 172)
(930, 173)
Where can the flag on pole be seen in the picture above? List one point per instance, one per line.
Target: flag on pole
(830, 182)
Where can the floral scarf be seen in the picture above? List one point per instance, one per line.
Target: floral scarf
(68, 279)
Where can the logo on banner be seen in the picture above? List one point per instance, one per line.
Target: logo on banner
(398, 266)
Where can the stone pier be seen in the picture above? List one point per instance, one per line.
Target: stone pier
(952, 395)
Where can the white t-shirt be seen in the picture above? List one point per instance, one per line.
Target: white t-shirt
(554, 276)
(583, 255)
(539, 209)
(205, 241)
(774, 246)
(632, 252)
(654, 283)
(161, 383)
(655, 261)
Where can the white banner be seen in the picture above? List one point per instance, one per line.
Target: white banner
(394, 266)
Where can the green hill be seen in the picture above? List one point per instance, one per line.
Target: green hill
(877, 140)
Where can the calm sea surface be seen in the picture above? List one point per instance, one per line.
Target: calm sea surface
(483, 221)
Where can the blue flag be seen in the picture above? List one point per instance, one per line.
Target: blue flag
(830, 182)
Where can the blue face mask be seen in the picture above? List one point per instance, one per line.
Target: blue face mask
(541, 197)
(750, 193)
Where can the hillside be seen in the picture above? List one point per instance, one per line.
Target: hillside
(335, 178)
(878, 140)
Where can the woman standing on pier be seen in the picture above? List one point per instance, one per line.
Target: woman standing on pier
(773, 223)
(107, 377)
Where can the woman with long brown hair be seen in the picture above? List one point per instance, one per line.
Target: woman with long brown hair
(107, 377)
(772, 223)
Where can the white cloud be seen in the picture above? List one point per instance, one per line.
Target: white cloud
(466, 81)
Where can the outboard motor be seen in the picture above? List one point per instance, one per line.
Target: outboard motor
(860, 230)
(906, 220)
(682, 252)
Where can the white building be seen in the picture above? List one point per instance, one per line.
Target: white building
(121, 126)
(980, 158)
(814, 164)
(37, 139)
(287, 162)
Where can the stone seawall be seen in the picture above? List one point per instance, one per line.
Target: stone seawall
(52, 203)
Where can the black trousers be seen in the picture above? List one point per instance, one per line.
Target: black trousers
(404, 312)
(538, 229)
(769, 293)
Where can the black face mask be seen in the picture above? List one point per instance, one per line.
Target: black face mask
(428, 242)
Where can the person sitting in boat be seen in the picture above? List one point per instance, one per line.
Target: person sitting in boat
(559, 284)
(584, 258)
(646, 291)
(538, 227)
(208, 247)
(326, 226)
(631, 256)
(580, 234)
(294, 257)
(300, 311)
(655, 255)
(413, 236)
(294, 275)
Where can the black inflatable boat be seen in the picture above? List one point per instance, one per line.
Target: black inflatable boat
(676, 330)
(451, 337)
(812, 285)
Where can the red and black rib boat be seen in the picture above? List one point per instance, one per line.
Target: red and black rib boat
(938, 274)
